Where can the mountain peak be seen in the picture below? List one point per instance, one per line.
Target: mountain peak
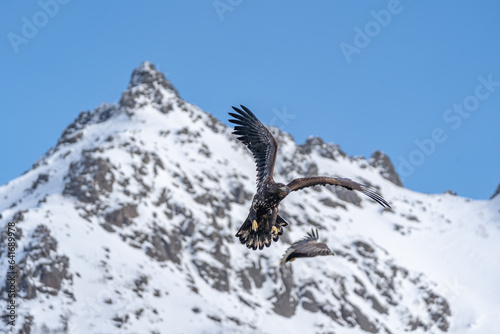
(381, 160)
(149, 84)
(147, 74)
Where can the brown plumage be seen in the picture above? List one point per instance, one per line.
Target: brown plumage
(309, 246)
(263, 223)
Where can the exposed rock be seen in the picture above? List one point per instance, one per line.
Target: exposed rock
(307, 297)
(285, 303)
(362, 292)
(245, 282)
(26, 327)
(188, 227)
(18, 217)
(381, 160)
(89, 178)
(52, 274)
(363, 321)
(216, 277)
(214, 124)
(123, 216)
(147, 74)
(364, 249)
(255, 273)
(70, 140)
(348, 196)
(412, 218)
(72, 133)
(240, 196)
(42, 178)
(214, 317)
(439, 310)
(145, 82)
(162, 199)
(140, 285)
(165, 246)
(312, 169)
(328, 202)
(206, 198)
(219, 251)
(330, 151)
(41, 269)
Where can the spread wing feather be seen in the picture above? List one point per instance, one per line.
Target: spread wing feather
(301, 183)
(258, 139)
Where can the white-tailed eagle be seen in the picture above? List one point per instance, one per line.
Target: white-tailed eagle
(263, 223)
(309, 246)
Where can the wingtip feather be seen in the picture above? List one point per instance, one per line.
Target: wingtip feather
(374, 195)
(285, 256)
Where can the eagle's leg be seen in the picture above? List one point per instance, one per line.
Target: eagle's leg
(277, 228)
(255, 226)
(259, 232)
(274, 230)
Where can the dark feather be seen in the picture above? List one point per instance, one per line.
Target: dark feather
(251, 132)
(301, 183)
(306, 247)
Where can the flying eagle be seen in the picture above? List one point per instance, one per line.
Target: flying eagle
(263, 223)
(309, 246)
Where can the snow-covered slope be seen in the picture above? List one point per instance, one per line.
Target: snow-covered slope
(127, 226)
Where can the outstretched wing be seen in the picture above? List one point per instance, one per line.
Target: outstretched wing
(307, 247)
(310, 237)
(258, 139)
(301, 183)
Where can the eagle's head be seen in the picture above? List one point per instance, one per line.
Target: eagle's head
(281, 189)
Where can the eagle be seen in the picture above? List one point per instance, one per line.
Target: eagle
(263, 223)
(309, 246)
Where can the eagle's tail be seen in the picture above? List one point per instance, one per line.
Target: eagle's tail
(259, 234)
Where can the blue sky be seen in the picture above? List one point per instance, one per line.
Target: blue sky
(419, 80)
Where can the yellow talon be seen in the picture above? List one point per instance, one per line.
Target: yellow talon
(254, 225)
(274, 230)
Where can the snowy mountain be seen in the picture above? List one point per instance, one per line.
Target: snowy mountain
(127, 226)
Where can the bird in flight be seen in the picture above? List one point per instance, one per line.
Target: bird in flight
(309, 246)
(263, 223)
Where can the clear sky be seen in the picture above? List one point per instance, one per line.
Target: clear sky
(419, 80)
